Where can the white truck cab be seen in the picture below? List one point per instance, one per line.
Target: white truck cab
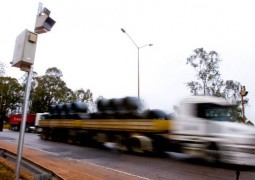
(204, 128)
(38, 117)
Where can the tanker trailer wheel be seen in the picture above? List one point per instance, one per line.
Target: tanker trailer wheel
(212, 153)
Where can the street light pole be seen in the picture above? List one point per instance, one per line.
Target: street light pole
(138, 60)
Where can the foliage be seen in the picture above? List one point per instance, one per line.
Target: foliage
(207, 67)
(232, 94)
(2, 69)
(83, 96)
(209, 82)
(11, 95)
(7, 171)
(45, 90)
(50, 89)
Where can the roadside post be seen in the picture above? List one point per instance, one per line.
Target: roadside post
(243, 93)
(23, 58)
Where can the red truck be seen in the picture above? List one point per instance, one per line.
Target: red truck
(15, 121)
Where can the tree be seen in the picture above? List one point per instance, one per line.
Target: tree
(83, 96)
(232, 94)
(50, 89)
(2, 69)
(11, 96)
(207, 67)
(54, 72)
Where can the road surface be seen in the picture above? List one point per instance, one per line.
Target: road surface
(171, 166)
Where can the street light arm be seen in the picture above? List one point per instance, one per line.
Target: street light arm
(123, 30)
(145, 45)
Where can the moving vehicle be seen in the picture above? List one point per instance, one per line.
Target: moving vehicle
(203, 128)
(36, 128)
(15, 122)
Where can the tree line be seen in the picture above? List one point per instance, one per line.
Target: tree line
(47, 89)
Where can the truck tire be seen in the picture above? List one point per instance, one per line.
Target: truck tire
(79, 107)
(140, 144)
(116, 104)
(103, 104)
(27, 128)
(44, 134)
(133, 145)
(156, 114)
(132, 103)
(213, 153)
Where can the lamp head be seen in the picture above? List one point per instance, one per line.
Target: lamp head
(123, 30)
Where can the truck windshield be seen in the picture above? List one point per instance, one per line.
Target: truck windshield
(214, 112)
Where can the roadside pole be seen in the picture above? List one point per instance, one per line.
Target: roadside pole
(23, 123)
(23, 58)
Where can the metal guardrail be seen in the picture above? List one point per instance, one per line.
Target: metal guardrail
(40, 172)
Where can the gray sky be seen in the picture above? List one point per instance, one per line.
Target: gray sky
(87, 45)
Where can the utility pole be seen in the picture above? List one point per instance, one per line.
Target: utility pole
(243, 93)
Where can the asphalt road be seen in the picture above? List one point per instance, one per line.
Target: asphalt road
(171, 166)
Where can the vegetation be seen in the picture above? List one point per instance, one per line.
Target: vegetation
(47, 89)
(11, 95)
(7, 171)
(209, 82)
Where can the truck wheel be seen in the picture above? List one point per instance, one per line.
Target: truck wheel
(43, 135)
(119, 142)
(50, 135)
(213, 153)
(27, 129)
(133, 145)
(16, 128)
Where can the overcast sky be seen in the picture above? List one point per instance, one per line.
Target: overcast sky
(87, 45)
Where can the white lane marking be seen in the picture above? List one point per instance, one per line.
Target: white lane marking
(56, 154)
(35, 148)
(115, 170)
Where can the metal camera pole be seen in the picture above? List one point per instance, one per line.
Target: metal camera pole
(24, 115)
(23, 123)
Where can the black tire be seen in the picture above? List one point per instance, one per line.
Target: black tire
(156, 114)
(133, 145)
(213, 153)
(116, 104)
(79, 107)
(52, 109)
(132, 103)
(103, 105)
(44, 135)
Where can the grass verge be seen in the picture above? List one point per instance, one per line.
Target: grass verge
(7, 171)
